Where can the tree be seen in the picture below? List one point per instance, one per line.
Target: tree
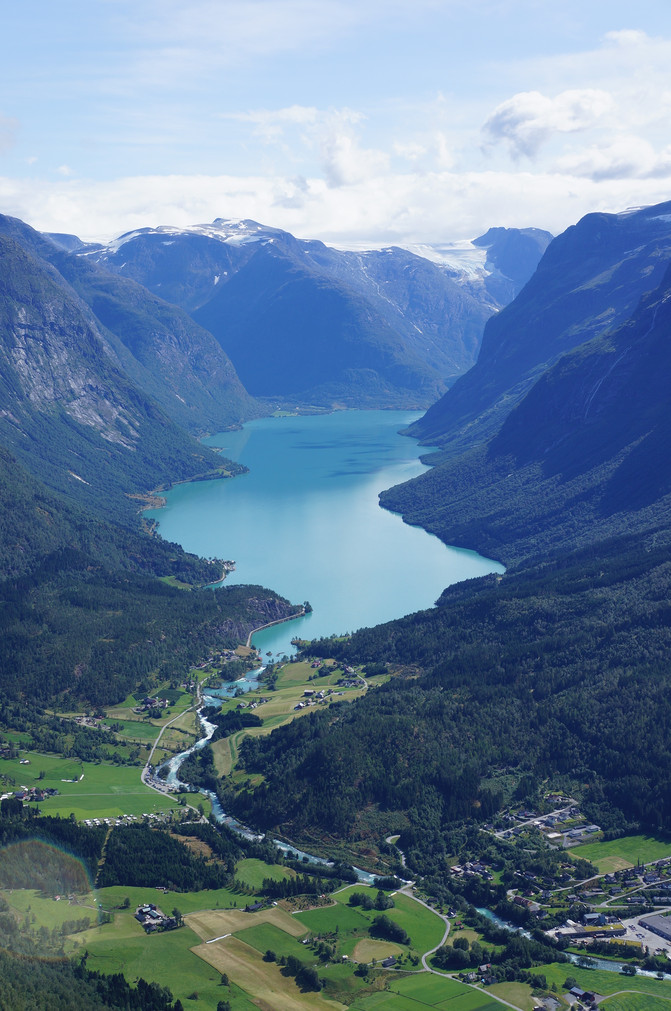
(225, 981)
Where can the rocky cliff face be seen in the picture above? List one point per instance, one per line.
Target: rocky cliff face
(157, 345)
(68, 410)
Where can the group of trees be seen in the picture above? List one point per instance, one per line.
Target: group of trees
(139, 855)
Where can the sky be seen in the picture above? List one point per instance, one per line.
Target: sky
(365, 122)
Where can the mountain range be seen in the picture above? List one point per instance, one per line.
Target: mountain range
(304, 322)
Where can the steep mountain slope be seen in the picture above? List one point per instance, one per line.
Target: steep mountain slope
(589, 279)
(308, 322)
(158, 346)
(67, 411)
(585, 454)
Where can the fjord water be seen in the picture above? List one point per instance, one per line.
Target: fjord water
(305, 522)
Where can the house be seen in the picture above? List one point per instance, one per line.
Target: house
(581, 994)
(388, 962)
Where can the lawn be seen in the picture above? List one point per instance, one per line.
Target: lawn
(618, 854)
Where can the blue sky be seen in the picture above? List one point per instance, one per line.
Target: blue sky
(355, 121)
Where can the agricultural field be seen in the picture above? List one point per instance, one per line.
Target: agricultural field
(27, 904)
(619, 854)
(235, 942)
(87, 789)
(252, 872)
(427, 991)
(603, 982)
(164, 958)
(636, 1002)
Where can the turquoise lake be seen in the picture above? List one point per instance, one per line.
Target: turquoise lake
(305, 521)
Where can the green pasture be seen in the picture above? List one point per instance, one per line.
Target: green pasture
(54, 768)
(618, 854)
(113, 897)
(46, 912)
(603, 982)
(518, 994)
(427, 991)
(424, 927)
(267, 936)
(352, 923)
(253, 871)
(164, 958)
(636, 1002)
(136, 730)
(106, 791)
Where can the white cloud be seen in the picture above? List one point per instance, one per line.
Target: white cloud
(344, 162)
(529, 119)
(625, 157)
(394, 208)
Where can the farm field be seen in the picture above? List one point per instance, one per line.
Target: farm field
(253, 872)
(105, 791)
(636, 1002)
(112, 898)
(27, 902)
(427, 991)
(261, 979)
(164, 958)
(618, 854)
(214, 923)
(604, 982)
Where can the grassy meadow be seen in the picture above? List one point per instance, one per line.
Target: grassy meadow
(619, 854)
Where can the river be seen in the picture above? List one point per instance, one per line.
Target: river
(305, 521)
